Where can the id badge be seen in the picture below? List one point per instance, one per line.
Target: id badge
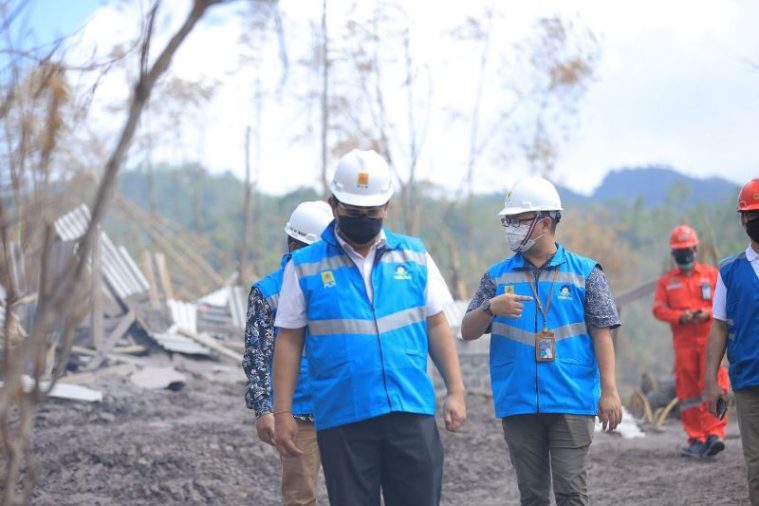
(545, 346)
(706, 291)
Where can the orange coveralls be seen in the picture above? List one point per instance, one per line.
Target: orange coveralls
(676, 293)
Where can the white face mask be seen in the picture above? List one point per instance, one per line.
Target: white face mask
(516, 237)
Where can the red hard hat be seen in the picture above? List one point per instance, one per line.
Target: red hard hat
(682, 237)
(748, 199)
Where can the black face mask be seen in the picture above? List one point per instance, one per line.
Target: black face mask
(752, 229)
(359, 230)
(684, 257)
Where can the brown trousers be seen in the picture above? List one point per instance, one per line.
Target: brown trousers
(747, 401)
(546, 446)
(300, 473)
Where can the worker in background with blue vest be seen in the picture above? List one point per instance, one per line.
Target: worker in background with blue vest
(368, 305)
(550, 313)
(736, 329)
(299, 473)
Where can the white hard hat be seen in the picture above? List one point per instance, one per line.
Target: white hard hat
(362, 178)
(308, 221)
(531, 194)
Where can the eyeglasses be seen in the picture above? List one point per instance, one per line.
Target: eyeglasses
(355, 212)
(516, 222)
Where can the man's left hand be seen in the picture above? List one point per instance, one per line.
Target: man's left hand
(701, 316)
(610, 410)
(454, 411)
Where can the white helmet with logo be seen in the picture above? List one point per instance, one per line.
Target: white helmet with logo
(531, 194)
(308, 221)
(362, 178)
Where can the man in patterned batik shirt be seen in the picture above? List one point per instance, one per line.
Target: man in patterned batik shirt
(299, 473)
(549, 312)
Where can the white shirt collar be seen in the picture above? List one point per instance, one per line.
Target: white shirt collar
(347, 247)
(751, 255)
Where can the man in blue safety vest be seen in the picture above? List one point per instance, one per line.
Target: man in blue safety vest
(549, 312)
(368, 305)
(736, 329)
(300, 472)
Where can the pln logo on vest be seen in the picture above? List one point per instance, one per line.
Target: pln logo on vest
(328, 279)
(508, 289)
(401, 273)
(565, 293)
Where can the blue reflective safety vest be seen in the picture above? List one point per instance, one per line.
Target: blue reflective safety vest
(269, 288)
(366, 358)
(521, 385)
(742, 310)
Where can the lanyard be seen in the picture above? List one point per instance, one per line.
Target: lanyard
(543, 310)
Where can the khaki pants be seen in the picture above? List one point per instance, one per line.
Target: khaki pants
(299, 474)
(747, 401)
(545, 446)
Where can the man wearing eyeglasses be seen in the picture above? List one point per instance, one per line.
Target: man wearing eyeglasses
(550, 313)
(368, 303)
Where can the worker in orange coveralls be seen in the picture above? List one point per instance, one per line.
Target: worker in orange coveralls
(684, 300)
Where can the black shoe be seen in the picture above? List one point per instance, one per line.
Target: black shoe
(714, 445)
(695, 450)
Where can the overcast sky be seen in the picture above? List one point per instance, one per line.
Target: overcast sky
(675, 85)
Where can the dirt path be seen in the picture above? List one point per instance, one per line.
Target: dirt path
(197, 446)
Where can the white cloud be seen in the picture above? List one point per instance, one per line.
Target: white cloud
(673, 88)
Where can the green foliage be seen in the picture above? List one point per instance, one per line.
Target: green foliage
(628, 237)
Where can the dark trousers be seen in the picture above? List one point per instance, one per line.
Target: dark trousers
(399, 453)
(542, 446)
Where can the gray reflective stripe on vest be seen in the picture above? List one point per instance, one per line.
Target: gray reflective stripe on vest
(327, 264)
(511, 278)
(403, 256)
(384, 324)
(273, 301)
(690, 403)
(526, 337)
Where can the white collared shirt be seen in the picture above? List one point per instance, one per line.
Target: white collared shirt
(719, 307)
(292, 311)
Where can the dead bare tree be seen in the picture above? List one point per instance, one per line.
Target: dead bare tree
(59, 298)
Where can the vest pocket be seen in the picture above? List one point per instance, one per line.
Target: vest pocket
(326, 355)
(417, 358)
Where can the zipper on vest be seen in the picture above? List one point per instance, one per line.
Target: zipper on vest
(536, 276)
(377, 257)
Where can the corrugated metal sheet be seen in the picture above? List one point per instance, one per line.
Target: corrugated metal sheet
(213, 315)
(73, 225)
(172, 341)
(218, 297)
(119, 269)
(225, 307)
(184, 314)
(238, 306)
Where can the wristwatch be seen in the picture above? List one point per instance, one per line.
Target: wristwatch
(485, 306)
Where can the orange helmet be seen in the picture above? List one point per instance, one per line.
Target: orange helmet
(748, 199)
(682, 237)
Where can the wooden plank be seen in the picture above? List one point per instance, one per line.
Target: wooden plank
(124, 323)
(210, 342)
(133, 348)
(163, 274)
(96, 326)
(644, 290)
(147, 267)
(116, 358)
